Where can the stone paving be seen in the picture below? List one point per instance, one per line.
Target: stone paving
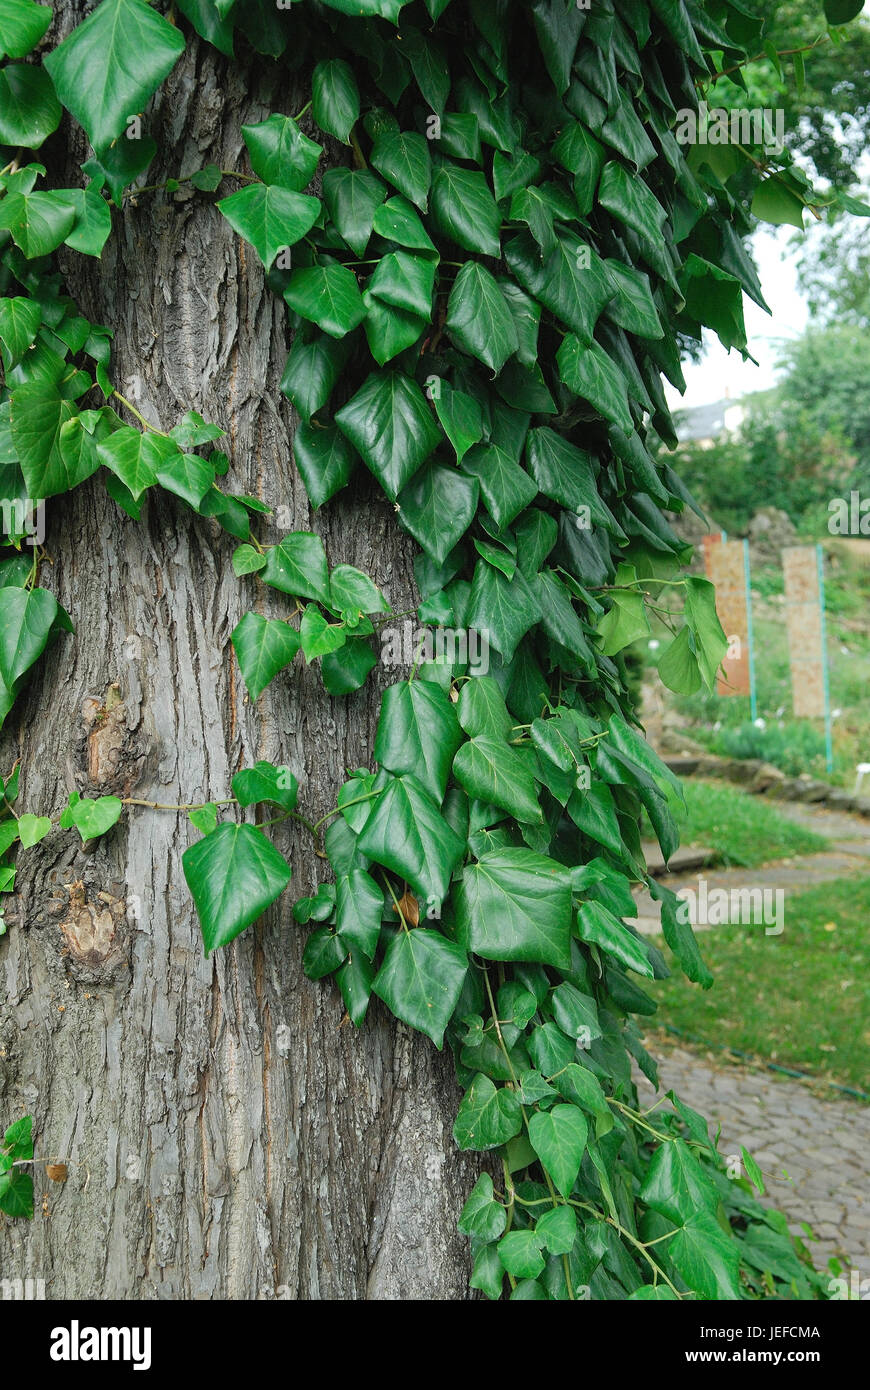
(823, 1145)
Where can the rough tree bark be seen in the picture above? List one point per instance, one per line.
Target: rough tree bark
(227, 1136)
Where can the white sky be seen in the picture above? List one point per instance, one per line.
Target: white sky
(722, 373)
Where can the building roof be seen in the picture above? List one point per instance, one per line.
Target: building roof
(703, 422)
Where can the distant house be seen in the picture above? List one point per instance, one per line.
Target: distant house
(706, 424)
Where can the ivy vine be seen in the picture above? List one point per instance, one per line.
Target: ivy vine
(481, 302)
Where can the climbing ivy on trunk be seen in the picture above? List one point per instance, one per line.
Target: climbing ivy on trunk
(482, 300)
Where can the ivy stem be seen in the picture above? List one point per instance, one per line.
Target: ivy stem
(760, 58)
(335, 810)
(139, 416)
(359, 158)
(174, 806)
(395, 902)
(626, 1235)
(507, 1057)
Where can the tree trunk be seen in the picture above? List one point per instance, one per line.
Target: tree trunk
(228, 1135)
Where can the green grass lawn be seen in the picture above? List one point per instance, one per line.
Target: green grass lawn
(741, 829)
(800, 1000)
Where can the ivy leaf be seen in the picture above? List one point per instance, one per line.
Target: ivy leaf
(359, 904)
(590, 373)
(774, 202)
(405, 281)
(109, 66)
(492, 771)
(624, 623)
(488, 1116)
(29, 618)
(395, 220)
(135, 457)
(421, 980)
(506, 487)
(93, 222)
(705, 1257)
(571, 282)
(596, 924)
(464, 209)
(390, 330)
(836, 11)
(297, 566)
(384, 9)
(558, 1230)
(351, 591)
(120, 164)
(233, 875)
(482, 709)
(391, 427)
(460, 415)
(311, 371)
(16, 1193)
(280, 153)
(32, 829)
(676, 1185)
(631, 202)
(38, 222)
(71, 457)
(709, 640)
(437, 507)
(319, 637)
(407, 833)
(403, 157)
(514, 904)
(352, 198)
(502, 610)
(558, 27)
(265, 782)
(418, 732)
(559, 1137)
(327, 295)
(482, 1215)
(264, 646)
(189, 477)
(520, 1253)
(22, 25)
(271, 218)
(680, 937)
(678, 666)
(324, 951)
(633, 308)
(19, 324)
(324, 458)
(355, 978)
(335, 98)
(346, 669)
(90, 817)
(478, 318)
(29, 109)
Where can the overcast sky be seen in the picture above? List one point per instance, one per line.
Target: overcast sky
(722, 373)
